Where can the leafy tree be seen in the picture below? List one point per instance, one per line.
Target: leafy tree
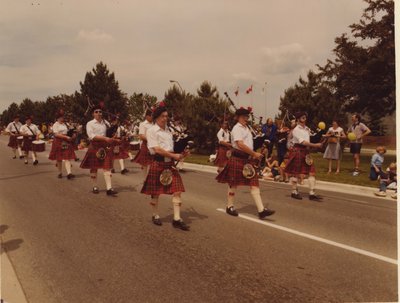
(137, 105)
(8, 115)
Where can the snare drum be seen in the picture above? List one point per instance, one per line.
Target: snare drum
(38, 146)
(20, 139)
(134, 146)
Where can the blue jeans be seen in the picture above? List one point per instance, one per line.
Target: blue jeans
(373, 175)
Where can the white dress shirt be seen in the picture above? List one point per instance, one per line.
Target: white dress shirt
(13, 127)
(60, 128)
(144, 126)
(300, 134)
(157, 136)
(241, 132)
(95, 128)
(223, 135)
(27, 130)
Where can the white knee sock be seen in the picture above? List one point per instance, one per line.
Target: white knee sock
(33, 156)
(93, 177)
(255, 192)
(176, 202)
(121, 163)
(59, 166)
(19, 151)
(231, 196)
(311, 184)
(154, 206)
(68, 166)
(130, 156)
(107, 178)
(293, 181)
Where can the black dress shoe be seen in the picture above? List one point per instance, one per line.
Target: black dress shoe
(26, 161)
(15, 157)
(76, 159)
(232, 211)
(265, 213)
(59, 176)
(156, 221)
(180, 224)
(70, 176)
(111, 192)
(35, 162)
(315, 198)
(113, 170)
(297, 196)
(21, 157)
(124, 171)
(95, 190)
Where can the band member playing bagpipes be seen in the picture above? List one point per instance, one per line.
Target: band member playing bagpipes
(30, 132)
(163, 177)
(224, 146)
(121, 150)
(15, 141)
(143, 157)
(100, 151)
(300, 161)
(63, 147)
(236, 171)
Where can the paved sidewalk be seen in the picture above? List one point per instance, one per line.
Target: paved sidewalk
(321, 185)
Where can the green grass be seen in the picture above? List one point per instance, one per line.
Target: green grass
(321, 166)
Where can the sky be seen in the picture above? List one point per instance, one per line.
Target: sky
(48, 46)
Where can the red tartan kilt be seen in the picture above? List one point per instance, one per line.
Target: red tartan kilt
(143, 157)
(296, 164)
(153, 186)
(59, 154)
(27, 143)
(92, 162)
(221, 159)
(233, 173)
(123, 151)
(12, 142)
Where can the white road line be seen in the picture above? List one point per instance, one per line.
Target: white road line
(315, 238)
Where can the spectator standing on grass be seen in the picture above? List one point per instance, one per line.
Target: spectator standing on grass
(377, 162)
(269, 129)
(360, 130)
(388, 178)
(333, 150)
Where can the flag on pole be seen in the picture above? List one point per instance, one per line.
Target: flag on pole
(249, 90)
(237, 91)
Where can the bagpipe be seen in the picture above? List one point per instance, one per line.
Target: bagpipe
(182, 139)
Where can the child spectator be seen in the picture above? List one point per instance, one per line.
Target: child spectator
(271, 169)
(377, 162)
(388, 178)
(284, 177)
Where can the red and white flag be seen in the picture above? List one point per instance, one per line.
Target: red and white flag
(249, 90)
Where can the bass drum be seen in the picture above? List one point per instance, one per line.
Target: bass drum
(38, 146)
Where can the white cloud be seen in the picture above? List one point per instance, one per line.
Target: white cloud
(285, 59)
(95, 35)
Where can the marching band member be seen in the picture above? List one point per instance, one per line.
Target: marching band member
(299, 162)
(163, 177)
(30, 132)
(121, 150)
(233, 174)
(180, 129)
(143, 157)
(100, 153)
(224, 146)
(13, 129)
(63, 147)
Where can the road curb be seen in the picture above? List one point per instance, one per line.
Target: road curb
(321, 185)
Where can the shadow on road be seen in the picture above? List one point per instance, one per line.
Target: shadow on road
(11, 245)
(187, 215)
(3, 228)
(252, 210)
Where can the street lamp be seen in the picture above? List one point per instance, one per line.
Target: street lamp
(174, 81)
(265, 104)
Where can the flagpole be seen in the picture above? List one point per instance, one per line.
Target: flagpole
(265, 104)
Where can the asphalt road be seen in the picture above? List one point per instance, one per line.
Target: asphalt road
(69, 245)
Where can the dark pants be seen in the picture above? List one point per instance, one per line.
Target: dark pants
(373, 175)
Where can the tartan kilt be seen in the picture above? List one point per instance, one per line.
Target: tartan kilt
(123, 150)
(296, 164)
(143, 157)
(90, 161)
(27, 143)
(59, 154)
(221, 159)
(12, 142)
(233, 173)
(152, 184)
